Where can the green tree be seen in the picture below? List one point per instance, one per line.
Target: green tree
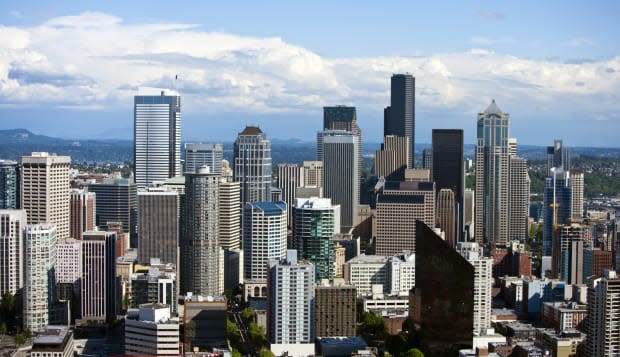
(7, 307)
(236, 353)
(232, 333)
(20, 339)
(256, 334)
(248, 314)
(3, 328)
(265, 353)
(414, 352)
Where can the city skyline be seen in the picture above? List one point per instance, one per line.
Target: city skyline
(281, 76)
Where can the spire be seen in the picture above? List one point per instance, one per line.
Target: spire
(493, 108)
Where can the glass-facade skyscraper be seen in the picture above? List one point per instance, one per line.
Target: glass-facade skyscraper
(252, 165)
(157, 135)
(399, 117)
(9, 185)
(492, 176)
(557, 205)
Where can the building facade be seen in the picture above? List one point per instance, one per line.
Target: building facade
(603, 326)
(252, 164)
(157, 135)
(117, 202)
(12, 224)
(392, 159)
(446, 215)
(9, 184)
(230, 214)
(519, 199)
(45, 190)
(98, 288)
(199, 154)
(158, 225)
(399, 117)
(290, 177)
(83, 217)
(336, 310)
(151, 331)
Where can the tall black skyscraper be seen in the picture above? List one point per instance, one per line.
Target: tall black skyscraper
(448, 168)
(399, 117)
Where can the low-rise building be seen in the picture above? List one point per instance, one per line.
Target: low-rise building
(150, 331)
(53, 341)
(564, 315)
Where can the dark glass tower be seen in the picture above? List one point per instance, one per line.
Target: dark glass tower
(9, 184)
(399, 117)
(448, 168)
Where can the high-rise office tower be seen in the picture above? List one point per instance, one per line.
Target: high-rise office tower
(290, 306)
(336, 310)
(448, 169)
(39, 275)
(442, 301)
(252, 165)
(483, 282)
(512, 147)
(492, 181)
(313, 173)
(557, 206)
(519, 199)
(158, 225)
(427, 160)
(9, 184)
(45, 190)
(577, 187)
(399, 117)
(290, 177)
(446, 215)
(603, 323)
(12, 223)
(230, 214)
(398, 205)
(201, 254)
(558, 155)
(567, 255)
(344, 118)
(392, 160)
(199, 154)
(340, 174)
(264, 238)
(82, 205)
(117, 202)
(468, 214)
(314, 226)
(69, 273)
(98, 282)
(157, 135)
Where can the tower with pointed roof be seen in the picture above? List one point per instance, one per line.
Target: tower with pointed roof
(252, 164)
(491, 219)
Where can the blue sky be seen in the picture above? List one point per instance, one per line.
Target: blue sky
(71, 69)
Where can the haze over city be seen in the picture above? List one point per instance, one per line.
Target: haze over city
(72, 69)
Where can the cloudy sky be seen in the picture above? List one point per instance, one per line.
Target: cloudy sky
(72, 69)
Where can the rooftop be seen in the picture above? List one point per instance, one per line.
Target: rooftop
(50, 337)
(368, 259)
(270, 208)
(493, 108)
(251, 130)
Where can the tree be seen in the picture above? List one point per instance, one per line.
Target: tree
(7, 307)
(3, 328)
(256, 334)
(414, 352)
(236, 353)
(20, 339)
(232, 333)
(265, 353)
(248, 314)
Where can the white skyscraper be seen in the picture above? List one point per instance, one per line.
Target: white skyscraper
(199, 154)
(290, 177)
(483, 282)
(12, 223)
(341, 179)
(39, 274)
(45, 190)
(603, 323)
(264, 238)
(252, 164)
(291, 301)
(157, 135)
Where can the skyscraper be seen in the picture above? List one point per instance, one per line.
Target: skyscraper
(446, 215)
(558, 155)
(157, 135)
(98, 281)
(45, 190)
(483, 282)
(519, 199)
(603, 323)
(492, 171)
(116, 202)
(399, 117)
(392, 160)
(199, 154)
(314, 226)
(201, 254)
(9, 184)
(290, 177)
(12, 223)
(557, 206)
(252, 165)
(335, 310)
(398, 205)
(344, 118)
(82, 218)
(158, 225)
(427, 159)
(290, 306)
(230, 214)
(448, 169)
(39, 275)
(577, 187)
(341, 181)
(313, 173)
(264, 238)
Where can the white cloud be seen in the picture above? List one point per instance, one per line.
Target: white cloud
(578, 42)
(94, 60)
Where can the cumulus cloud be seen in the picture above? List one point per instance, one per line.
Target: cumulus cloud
(95, 60)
